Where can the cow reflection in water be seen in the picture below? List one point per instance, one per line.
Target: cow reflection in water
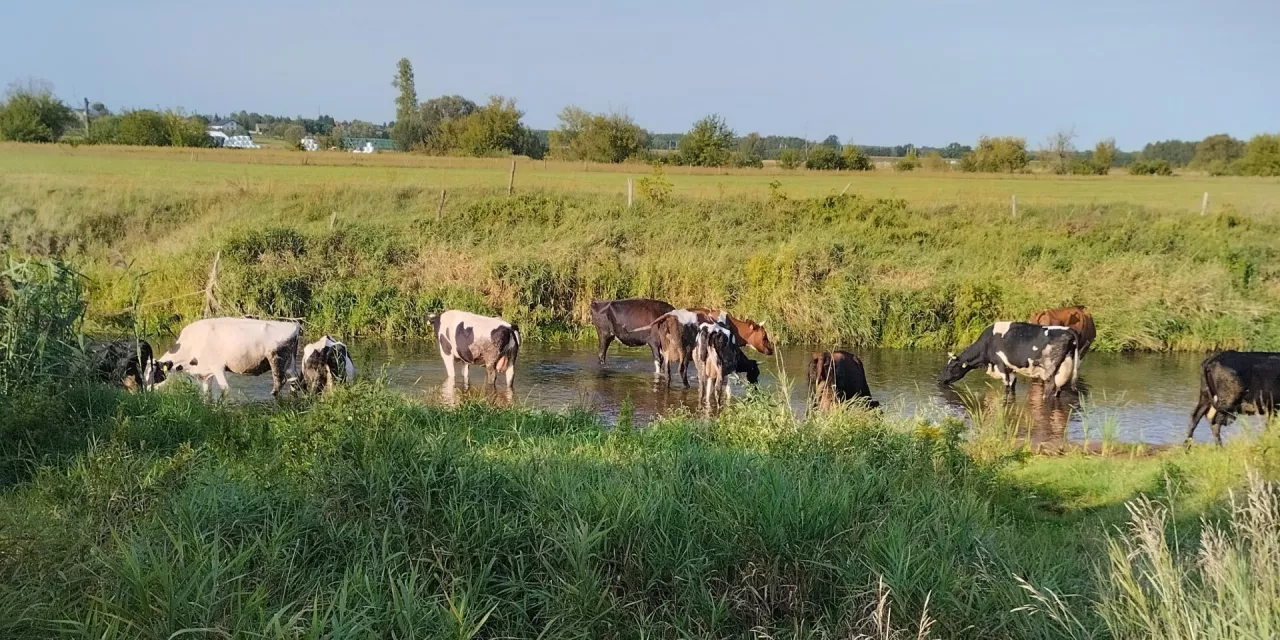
(1044, 421)
(450, 395)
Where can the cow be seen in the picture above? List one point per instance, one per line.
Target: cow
(672, 337)
(324, 363)
(476, 339)
(718, 356)
(837, 377)
(1076, 317)
(745, 332)
(128, 363)
(1235, 382)
(626, 320)
(207, 349)
(1050, 354)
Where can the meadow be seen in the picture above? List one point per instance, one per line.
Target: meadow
(914, 261)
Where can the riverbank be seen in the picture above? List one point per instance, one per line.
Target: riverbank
(143, 515)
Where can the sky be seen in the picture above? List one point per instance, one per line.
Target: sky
(888, 72)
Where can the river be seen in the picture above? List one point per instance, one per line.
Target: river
(1142, 397)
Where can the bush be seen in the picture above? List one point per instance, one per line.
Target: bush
(743, 160)
(33, 116)
(1261, 156)
(41, 305)
(1151, 168)
(655, 188)
(855, 160)
(933, 161)
(1216, 153)
(823, 158)
(908, 162)
(707, 143)
(788, 159)
(995, 155)
(145, 127)
(598, 137)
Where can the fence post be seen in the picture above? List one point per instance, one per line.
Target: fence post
(511, 178)
(1013, 205)
(333, 219)
(629, 188)
(210, 288)
(1204, 203)
(440, 209)
(846, 188)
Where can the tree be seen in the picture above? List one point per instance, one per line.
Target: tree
(31, 113)
(495, 129)
(788, 159)
(1008, 154)
(855, 160)
(1104, 156)
(407, 131)
(1151, 168)
(832, 141)
(707, 143)
(933, 161)
(1261, 156)
(1216, 153)
(752, 145)
(823, 158)
(360, 129)
(955, 150)
(1178, 153)
(1059, 150)
(908, 162)
(597, 137)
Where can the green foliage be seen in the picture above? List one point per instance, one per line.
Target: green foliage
(996, 155)
(707, 143)
(933, 161)
(1215, 154)
(495, 129)
(145, 127)
(1104, 156)
(597, 137)
(1261, 156)
(743, 160)
(33, 115)
(408, 131)
(908, 162)
(1178, 153)
(41, 305)
(655, 188)
(823, 158)
(1151, 168)
(854, 159)
(789, 159)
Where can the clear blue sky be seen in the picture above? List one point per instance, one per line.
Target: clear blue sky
(887, 72)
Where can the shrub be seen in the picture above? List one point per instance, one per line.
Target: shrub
(1215, 154)
(1261, 156)
(788, 159)
(744, 160)
(993, 155)
(933, 161)
(1104, 156)
(823, 158)
(707, 143)
(908, 162)
(655, 188)
(855, 160)
(1151, 168)
(597, 137)
(33, 116)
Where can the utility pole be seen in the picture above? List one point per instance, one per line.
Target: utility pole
(86, 118)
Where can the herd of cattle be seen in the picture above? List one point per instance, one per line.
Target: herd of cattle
(1048, 349)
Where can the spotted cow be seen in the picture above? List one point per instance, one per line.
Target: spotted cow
(475, 339)
(1009, 349)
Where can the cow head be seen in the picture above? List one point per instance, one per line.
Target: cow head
(754, 334)
(751, 369)
(955, 369)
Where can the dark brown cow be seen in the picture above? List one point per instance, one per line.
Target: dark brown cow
(627, 320)
(836, 377)
(1076, 317)
(1234, 382)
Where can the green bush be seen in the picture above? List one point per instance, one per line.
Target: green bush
(146, 127)
(33, 116)
(707, 144)
(823, 158)
(743, 160)
(996, 155)
(41, 305)
(788, 159)
(1151, 168)
(855, 160)
(933, 161)
(908, 162)
(1261, 156)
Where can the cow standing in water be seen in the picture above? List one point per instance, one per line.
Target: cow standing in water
(207, 349)
(1076, 317)
(1234, 382)
(324, 363)
(838, 377)
(475, 339)
(718, 356)
(1049, 354)
(628, 321)
(128, 363)
(673, 334)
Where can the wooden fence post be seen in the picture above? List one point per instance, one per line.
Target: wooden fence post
(1013, 205)
(1204, 203)
(440, 209)
(210, 288)
(846, 188)
(511, 178)
(630, 182)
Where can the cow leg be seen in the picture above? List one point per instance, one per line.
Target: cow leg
(491, 375)
(466, 374)
(511, 375)
(276, 362)
(1202, 408)
(606, 339)
(1010, 382)
(448, 365)
(221, 378)
(1216, 423)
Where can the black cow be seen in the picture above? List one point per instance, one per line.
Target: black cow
(1234, 382)
(838, 377)
(128, 363)
(1051, 354)
(627, 320)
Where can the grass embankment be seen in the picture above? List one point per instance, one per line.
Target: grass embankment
(848, 270)
(363, 515)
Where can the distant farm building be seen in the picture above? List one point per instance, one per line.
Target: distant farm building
(229, 127)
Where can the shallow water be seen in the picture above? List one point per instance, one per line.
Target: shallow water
(1124, 397)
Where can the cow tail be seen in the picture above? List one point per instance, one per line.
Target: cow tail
(1075, 366)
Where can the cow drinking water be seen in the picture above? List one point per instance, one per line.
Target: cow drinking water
(475, 339)
(326, 362)
(1050, 354)
(207, 349)
(1235, 382)
(718, 356)
(128, 363)
(837, 377)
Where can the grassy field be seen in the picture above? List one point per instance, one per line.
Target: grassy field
(853, 270)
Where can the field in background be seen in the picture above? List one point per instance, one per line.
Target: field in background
(205, 168)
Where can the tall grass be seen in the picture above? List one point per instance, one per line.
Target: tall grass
(41, 306)
(842, 270)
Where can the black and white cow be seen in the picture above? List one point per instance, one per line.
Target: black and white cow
(475, 339)
(207, 349)
(324, 363)
(717, 355)
(1007, 349)
(128, 363)
(1234, 382)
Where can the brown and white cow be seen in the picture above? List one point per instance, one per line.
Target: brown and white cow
(207, 349)
(838, 377)
(476, 339)
(1076, 317)
(717, 357)
(745, 332)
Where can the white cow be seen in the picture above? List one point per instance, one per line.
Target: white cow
(207, 349)
(325, 362)
(476, 339)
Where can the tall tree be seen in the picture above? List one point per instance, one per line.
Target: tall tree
(707, 143)
(1216, 153)
(1059, 150)
(407, 131)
